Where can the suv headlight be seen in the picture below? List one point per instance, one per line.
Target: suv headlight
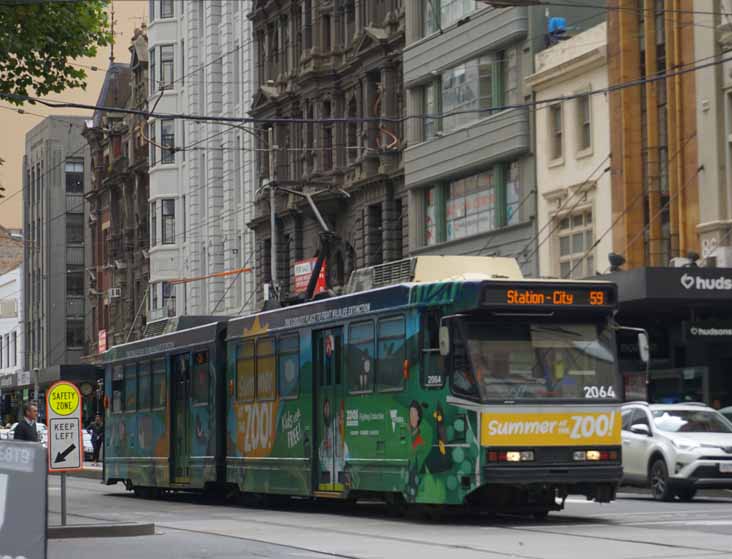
(685, 445)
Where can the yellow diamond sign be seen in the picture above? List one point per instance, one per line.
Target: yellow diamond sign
(63, 399)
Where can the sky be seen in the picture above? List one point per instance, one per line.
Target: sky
(128, 15)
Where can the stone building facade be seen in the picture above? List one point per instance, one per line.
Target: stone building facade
(118, 221)
(333, 71)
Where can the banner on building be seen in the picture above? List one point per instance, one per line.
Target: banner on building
(303, 271)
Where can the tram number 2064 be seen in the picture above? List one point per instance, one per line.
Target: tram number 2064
(599, 392)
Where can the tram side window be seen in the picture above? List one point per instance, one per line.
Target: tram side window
(361, 357)
(392, 353)
(288, 353)
(130, 387)
(433, 364)
(200, 377)
(463, 381)
(245, 371)
(118, 389)
(160, 386)
(265, 369)
(143, 385)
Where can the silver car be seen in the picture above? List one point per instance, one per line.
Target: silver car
(676, 449)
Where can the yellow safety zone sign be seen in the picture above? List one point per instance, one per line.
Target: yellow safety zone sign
(63, 399)
(551, 429)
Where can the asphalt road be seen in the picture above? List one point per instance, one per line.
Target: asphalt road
(633, 527)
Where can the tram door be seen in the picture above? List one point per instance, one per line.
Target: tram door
(181, 422)
(329, 413)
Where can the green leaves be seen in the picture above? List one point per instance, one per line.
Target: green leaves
(38, 42)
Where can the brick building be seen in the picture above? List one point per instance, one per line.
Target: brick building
(316, 61)
(118, 220)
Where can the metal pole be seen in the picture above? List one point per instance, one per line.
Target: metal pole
(272, 212)
(63, 498)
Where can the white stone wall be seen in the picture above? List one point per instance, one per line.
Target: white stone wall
(11, 292)
(574, 66)
(214, 179)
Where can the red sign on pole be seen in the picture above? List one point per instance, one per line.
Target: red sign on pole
(102, 341)
(303, 271)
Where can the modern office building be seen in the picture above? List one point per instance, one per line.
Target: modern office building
(470, 171)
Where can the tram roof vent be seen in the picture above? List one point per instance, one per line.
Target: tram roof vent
(428, 269)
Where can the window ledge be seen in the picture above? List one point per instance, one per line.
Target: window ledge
(584, 153)
(556, 163)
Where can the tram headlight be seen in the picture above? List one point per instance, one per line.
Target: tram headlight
(593, 455)
(510, 456)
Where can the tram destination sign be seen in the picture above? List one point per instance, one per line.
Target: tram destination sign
(554, 296)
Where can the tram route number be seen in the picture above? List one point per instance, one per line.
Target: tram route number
(14, 458)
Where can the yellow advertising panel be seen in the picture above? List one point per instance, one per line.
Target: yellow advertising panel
(550, 429)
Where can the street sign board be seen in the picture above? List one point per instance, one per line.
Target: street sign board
(65, 445)
(23, 500)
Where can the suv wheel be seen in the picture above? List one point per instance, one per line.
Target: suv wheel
(659, 481)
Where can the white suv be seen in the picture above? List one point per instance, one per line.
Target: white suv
(676, 449)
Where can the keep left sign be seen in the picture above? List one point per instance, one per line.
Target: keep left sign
(65, 443)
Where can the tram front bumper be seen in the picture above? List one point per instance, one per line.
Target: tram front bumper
(552, 475)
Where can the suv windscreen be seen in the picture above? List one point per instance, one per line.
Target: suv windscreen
(532, 361)
(691, 421)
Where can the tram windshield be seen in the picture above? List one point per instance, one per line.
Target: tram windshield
(533, 361)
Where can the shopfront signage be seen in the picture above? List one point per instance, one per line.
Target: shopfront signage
(695, 282)
(709, 330)
(24, 378)
(64, 428)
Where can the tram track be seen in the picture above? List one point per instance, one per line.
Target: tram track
(556, 526)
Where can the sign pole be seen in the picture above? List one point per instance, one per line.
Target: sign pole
(65, 441)
(63, 498)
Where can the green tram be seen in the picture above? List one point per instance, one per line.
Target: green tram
(485, 389)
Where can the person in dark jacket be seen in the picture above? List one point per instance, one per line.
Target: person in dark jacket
(26, 429)
(96, 430)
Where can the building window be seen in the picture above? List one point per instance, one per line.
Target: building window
(438, 14)
(431, 104)
(465, 94)
(15, 349)
(166, 9)
(168, 221)
(182, 78)
(472, 205)
(151, 10)
(152, 141)
(555, 131)
(153, 75)
(167, 63)
(236, 90)
(153, 223)
(74, 171)
(154, 297)
(74, 228)
(75, 333)
(75, 281)
(574, 239)
(169, 298)
(167, 140)
(584, 124)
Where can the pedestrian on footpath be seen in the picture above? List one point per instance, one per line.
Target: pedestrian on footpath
(96, 430)
(26, 429)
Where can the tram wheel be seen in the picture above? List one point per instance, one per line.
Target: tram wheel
(540, 514)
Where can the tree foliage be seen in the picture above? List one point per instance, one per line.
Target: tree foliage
(39, 40)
